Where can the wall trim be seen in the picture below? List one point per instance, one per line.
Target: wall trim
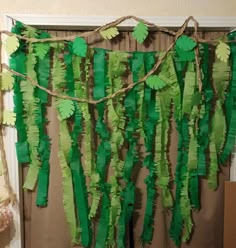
(226, 22)
(83, 22)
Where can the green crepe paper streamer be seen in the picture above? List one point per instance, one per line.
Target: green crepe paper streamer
(213, 167)
(80, 190)
(67, 186)
(115, 115)
(181, 218)
(104, 220)
(151, 117)
(127, 209)
(204, 120)
(192, 158)
(230, 108)
(190, 82)
(43, 178)
(31, 108)
(100, 82)
(64, 154)
(177, 221)
(164, 98)
(43, 71)
(89, 158)
(163, 101)
(17, 63)
(115, 211)
(218, 126)
(104, 150)
(132, 104)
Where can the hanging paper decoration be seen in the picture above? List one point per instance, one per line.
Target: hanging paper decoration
(140, 32)
(106, 121)
(109, 33)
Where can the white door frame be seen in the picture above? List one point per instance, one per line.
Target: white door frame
(82, 22)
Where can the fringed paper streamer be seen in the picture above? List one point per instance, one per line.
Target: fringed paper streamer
(116, 121)
(149, 126)
(163, 101)
(103, 150)
(17, 62)
(127, 209)
(65, 142)
(67, 185)
(43, 71)
(206, 107)
(213, 167)
(133, 103)
(192, 158)
(181, 217)
(89, 144)
(80, 190)
(102, 233)
(31, 108)
(230, 106)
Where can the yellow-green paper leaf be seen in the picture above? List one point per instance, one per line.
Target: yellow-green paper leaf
(8, 118)
(6, 80)
(11, 44)
(222, 51)
(109, 33)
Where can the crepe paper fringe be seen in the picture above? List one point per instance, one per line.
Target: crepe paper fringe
(104, 149)
(131, 112)
(230, 108)
(149, 132)
(80, 190)
(43, 71)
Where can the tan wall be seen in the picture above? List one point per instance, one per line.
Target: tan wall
(120, 8)
(123, 7)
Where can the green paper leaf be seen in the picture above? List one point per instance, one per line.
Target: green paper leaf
(223, 51)
(11, 44)
(109, 33)
(185, 43)
(140, 32)
(80, 47)
(8, 118)
(6, 80)
(66, 108)
(155, 82)
(183, 55)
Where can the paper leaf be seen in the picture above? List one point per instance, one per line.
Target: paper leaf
(8, 118)
(11, 44)
(6, 80)
(155, 82)
(66, 108)
(222, 51)
(140, 32)
(41, 49)
(184, 55)
(109, 33)
(185, 43)
(80, 47)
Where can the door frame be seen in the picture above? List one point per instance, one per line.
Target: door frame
(81, 22)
